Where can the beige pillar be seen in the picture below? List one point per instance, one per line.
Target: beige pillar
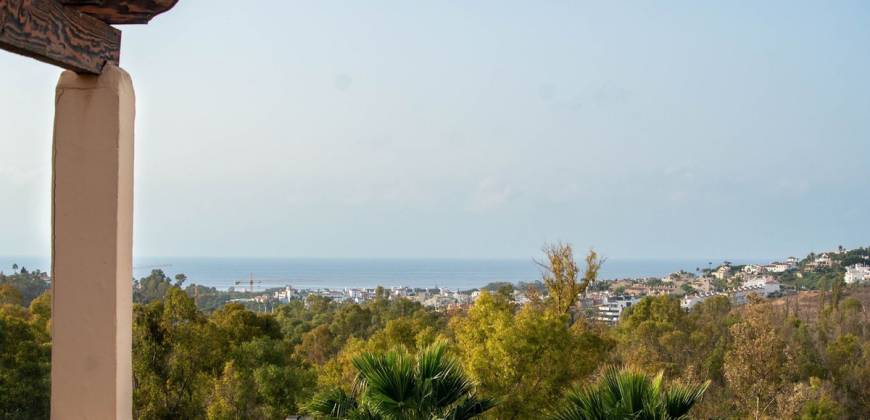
(92, 241)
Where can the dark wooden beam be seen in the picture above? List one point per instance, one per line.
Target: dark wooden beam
(49, 32)
(122, 11)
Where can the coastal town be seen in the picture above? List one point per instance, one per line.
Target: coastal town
(606, 300)
(487, 210)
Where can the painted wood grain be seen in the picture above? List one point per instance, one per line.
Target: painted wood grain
(59, 35)
(122, 11)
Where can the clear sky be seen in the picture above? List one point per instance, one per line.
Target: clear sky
(477, 129)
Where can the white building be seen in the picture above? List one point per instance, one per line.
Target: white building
(689, 301)
(759, 281)
(611, 309)
(857, 273)
(285, 295)
(777, 267)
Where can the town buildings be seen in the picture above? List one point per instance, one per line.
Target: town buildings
(761, 287)
(607, 300)
(857, 273)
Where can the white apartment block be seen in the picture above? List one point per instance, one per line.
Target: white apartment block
(611, 309)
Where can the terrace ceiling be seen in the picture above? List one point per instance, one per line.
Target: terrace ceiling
(73, 34)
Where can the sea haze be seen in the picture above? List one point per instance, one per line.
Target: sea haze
(353, 273)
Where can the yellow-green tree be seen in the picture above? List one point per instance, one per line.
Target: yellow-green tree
(409, 334)
(233, 396)
(523, 359)
(174, 350)
(653, 335)
(561, 276)
(9, 295)
(758, 363)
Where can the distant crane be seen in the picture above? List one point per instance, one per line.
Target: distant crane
(250, 282)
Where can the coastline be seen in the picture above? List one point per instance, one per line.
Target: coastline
(339, 273)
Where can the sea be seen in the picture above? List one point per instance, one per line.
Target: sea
(340, 273)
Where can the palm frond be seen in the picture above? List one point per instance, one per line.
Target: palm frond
(469, 408)
(629, 394)
(334, 404)
(633, 389)
(442, 380)
(388, 382)
(679, 399)
(585, 404)
(395, 385)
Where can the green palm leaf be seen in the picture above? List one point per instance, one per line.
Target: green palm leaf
(334, 404)
(433, 386)
(469, 408)
(388, 383)
(629, 394)
(679, 399)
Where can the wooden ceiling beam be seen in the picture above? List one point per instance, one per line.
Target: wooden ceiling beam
(121, 11)
(49, 32)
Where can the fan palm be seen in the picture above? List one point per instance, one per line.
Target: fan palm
(630, 394)
(396, 386)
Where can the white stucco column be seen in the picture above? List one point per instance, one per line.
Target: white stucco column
(92, 242)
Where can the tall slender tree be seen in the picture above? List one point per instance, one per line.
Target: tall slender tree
(561, 276)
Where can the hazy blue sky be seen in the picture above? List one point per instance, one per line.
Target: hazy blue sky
(477, 129)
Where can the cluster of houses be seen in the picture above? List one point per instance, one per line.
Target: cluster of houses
(440, 298)
(736, 283)
(608, 306)
(742, 281)
(761, 287)
(776, 267)
(605, 306)
(751, 279)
